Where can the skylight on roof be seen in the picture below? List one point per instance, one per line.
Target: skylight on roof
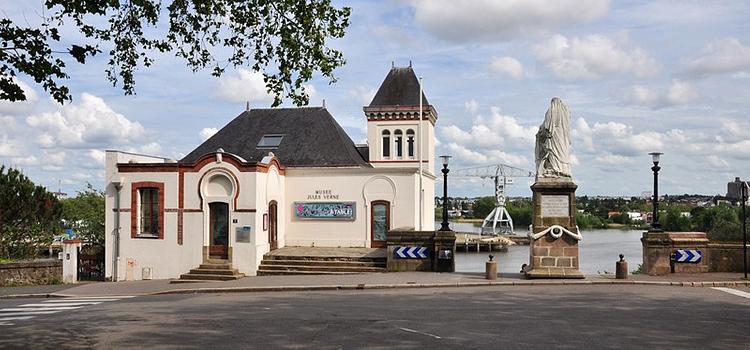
(270, 141)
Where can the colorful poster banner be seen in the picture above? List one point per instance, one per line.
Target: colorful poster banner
(325, 210)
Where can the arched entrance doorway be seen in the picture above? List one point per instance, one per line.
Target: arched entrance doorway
(218, 230)
(380, 223)
(273, 239)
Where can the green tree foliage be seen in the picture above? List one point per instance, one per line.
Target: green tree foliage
(622, 218)
(483, 206)
(29, 216)
(521, 211)
(85, 214)
(587, 221)
(722, 222)
(675, 221)
(286, 40)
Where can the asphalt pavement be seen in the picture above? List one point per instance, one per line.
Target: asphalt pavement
(576, 316)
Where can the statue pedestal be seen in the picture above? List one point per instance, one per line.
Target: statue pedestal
(554, 234)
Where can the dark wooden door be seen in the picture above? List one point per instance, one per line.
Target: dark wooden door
(218, 230)
(272, 225)
(380, 222)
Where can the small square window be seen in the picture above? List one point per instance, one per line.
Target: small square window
(270, 141)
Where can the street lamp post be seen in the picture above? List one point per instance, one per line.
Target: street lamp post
(655, 225)
(744, 226)
(444, 224)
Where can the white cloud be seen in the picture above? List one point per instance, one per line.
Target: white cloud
(717, 162)
(593, 57)
(507, 66)
(678, 93)
(489, 20)
(151, 148)
(206, 133)
(362, 94)
(7, 147)
(616, 139)
(98, 156)
(496, 131)
(245, 86)
(472, 106)
(91, 122)
(726, 55)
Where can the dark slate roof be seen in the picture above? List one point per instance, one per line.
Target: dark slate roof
(364, 151)
(400, 87)
(312, 137)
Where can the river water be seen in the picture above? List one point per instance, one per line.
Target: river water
(599, 251)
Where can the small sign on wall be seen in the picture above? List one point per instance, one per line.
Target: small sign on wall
(242, 234)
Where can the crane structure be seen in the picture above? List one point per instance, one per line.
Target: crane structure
(499, 220)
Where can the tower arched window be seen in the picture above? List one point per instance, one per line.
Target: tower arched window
(410, 143)
(386, 143)
(398, 135)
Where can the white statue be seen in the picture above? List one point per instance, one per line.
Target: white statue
(553, 142)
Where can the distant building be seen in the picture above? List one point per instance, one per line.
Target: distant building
(636, 216)
(734, 191)
(60, 195)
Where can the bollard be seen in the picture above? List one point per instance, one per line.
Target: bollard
(490, 271)
(621, 268)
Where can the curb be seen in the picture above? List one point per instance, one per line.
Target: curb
(398, 286)
(443, 285)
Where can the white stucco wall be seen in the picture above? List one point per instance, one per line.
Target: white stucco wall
(359, 185)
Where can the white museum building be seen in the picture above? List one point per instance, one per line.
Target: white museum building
(273, 178)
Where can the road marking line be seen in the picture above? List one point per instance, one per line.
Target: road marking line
(52, 307)
(15, 318)
(102, 297)
(78, 300)
(29, 313)
(418, 332)
(63, 304)
(733, 291)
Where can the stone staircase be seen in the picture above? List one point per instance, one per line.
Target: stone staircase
(319, 265)
(211, 270)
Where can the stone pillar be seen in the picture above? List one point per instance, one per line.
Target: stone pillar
(659, 246)
(70, 260)
(439, 254)
(554, 235)
(445, 251)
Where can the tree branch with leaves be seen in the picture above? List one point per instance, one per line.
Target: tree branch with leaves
(286, 40)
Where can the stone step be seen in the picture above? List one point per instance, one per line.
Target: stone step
(324, 263)
(303, 268)
(283, 272)
(180, 281)
(197, 276)
(204, 271)
(325, 258)
(207, 266)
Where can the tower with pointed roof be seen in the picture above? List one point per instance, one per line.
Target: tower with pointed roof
(393, 123)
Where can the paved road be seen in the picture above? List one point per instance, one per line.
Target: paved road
(483, 317)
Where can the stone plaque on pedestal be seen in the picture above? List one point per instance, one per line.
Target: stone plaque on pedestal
(554, 234)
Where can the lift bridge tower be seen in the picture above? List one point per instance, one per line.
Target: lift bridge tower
(499, 220)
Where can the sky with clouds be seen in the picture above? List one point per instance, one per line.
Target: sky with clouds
(638, 76)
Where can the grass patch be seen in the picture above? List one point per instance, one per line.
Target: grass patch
(4, 260)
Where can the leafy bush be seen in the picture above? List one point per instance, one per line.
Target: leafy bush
(85, 213)
(29, 216)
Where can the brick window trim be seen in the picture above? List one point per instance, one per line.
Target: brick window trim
(135, 209)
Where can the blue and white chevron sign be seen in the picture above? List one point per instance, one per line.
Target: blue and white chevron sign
(411, 252)
(688, 255)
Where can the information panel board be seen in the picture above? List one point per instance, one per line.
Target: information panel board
(555, 206)
(325, 210)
